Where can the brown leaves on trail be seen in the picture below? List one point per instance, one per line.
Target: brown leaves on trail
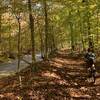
(76, 93)
(60, 62)
(49, 74)
(60, 78)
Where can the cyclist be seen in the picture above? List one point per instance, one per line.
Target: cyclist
(90, 57)
(90, 60)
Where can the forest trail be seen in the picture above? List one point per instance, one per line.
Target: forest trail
(11, 67)
(61, 78)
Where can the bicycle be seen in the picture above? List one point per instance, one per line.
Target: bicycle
(92, 72)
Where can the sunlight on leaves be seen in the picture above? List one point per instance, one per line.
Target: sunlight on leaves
(19, 98)
(50, 74)
(1, 95)
(77, 93)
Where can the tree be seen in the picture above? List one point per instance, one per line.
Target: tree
(46, 28)
(31, 19)
(0, 27)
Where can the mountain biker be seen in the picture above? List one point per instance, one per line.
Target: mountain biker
(90, 60)
(90, 57)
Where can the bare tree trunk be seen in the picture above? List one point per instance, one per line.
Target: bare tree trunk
(89, 34)
(90, 41)
(41, 39)
(97, 38)
(9, 40)
(71, 34)
(53, 44)
(19, 38)
(0, 28)
(31, 19)
(19, 48)
(9, 43)
(42, 45)
(81, 32)
(18, 42)
(72, 40)
(46, 29)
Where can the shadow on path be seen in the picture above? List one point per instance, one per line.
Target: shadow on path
(61, 78)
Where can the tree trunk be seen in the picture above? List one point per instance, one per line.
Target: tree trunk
(19, 49)
(31, 19)
(0, 28)
(81, 31)
(97, 35)
(46, 29)
(72, 40)
(71, 33)
(19, 38)
(90, 42)
(42, 45)
(9, 39)
(9, 43)
(53, 39)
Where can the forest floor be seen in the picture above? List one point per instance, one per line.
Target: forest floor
(60, 78)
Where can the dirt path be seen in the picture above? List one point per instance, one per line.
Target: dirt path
(61, 78)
